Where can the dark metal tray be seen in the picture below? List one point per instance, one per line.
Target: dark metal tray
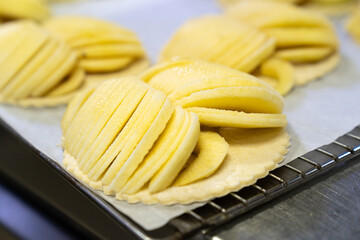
(59, 192)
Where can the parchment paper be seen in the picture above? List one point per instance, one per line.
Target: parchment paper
(317, 113)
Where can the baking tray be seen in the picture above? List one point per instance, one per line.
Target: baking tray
(46, 181)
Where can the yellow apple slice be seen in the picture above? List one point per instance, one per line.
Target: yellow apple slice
(303, 37)
(149, 74)
(224, 46)
(201, 38)
(171, 75)
(247, 99)
(104, 109)
(281, 70)
(167, 143)
(93, 40)
(87, 116)
(257, 56)
(112, 50)
(168, 172)
(230, 57)
(11, 35)
(59, 74)
(48, 72)
(29, 69)
(73, 82)
(130, 141)
(227, 118)
(114, 126)
(243, 80)
(302, 55)
(128, 137)
(211, 149)
(22, 54)
(106, 64)
(143, 147)
(116, 98)
(73, 108)
(246, 51)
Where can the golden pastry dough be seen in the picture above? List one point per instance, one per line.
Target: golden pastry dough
(305, 73)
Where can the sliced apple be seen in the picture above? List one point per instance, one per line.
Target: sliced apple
(168, 172)
(164, 147)
(227, 118)
(116, 123)
(211, 149)
(28, 46)
(105, 64)
(243, 80)
(281, 70)
(29, 69)
(74, 107)
(247, 99)
(143, 147)
(73, 82)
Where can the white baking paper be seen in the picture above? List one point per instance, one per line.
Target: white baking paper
(317, 113)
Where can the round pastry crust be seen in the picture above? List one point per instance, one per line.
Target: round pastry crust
(305, 73)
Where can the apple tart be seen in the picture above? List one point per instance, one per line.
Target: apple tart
(305, 39)
(131, 140)
(38, 69)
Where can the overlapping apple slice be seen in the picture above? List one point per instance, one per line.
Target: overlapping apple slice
(37, 67)
(221, 40)
(126, 134)
(231, 43)
(222, 97)
(211, 149)
(103, 46)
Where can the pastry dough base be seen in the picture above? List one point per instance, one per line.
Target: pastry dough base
(252, 154)
(305, 73)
